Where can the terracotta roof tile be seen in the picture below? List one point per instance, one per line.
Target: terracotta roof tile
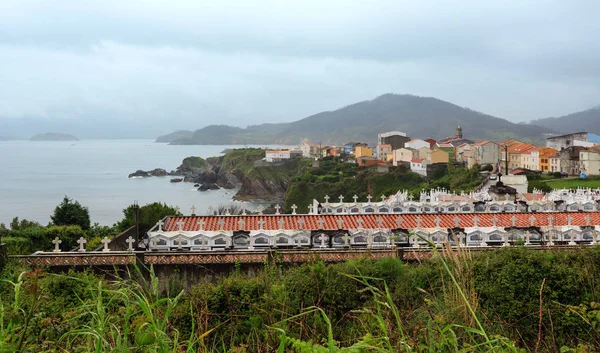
(390, 221)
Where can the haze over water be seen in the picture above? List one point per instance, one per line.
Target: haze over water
(37, 175)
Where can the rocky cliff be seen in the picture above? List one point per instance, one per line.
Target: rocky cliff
(238, 169)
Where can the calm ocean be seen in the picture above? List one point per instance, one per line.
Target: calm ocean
(37, 175)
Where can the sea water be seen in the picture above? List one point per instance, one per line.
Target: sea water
(35, 177)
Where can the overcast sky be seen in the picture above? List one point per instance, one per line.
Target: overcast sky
(187, 64)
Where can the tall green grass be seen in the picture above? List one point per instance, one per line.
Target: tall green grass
(447, 304)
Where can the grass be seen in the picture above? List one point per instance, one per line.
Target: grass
(574, 183)
(347, 307)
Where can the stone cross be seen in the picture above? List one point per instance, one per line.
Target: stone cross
(320, 221)
(294, 207)
(200, 225)
(221, 224)
(383, 197)
(301, 223)
(532, 221)
(179, 241)
(326, 198)
(379, 222)
(105, 241)
(359, 222)
(260, 224)
(81, 241)
(341, 198)
(550, 219)
(569, 219)
(180, 225)
(160, 223)
(340, 223)
(260, 210)
(355, 198)
(322, 238)
(177, 209)
(410, 197)
(130, 242)
(369, 197)
(211, 210)
(153, 243)
(513, 220)
(310, 209)
(56, 243)
(456, 221)
(281, 223)
(571, 238)
(227, 211)
(203, 243)
(588, 220)
(243, 210)
(418, 220)
(475, 222)
(193, 208)
(346, 238)
(277, 208)
(495, 221)
(241, 224)
(527, 237)
(437, 221)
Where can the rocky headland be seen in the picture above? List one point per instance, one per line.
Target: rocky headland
(241, 169)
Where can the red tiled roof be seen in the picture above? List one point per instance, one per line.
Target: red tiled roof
(389, 221)
(533, 197)
(481, 143)
(417, 160)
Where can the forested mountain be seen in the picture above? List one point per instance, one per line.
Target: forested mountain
(587, 120)
(421, 117)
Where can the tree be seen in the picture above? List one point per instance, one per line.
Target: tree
(149, 215)
(71, 212)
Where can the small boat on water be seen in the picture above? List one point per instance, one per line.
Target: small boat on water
(196, 185)
(176, 180)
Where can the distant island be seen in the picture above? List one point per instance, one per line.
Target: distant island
(53, 136)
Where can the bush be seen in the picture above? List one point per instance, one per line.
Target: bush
(71, 212)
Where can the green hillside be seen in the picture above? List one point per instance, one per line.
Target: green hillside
(421, 117)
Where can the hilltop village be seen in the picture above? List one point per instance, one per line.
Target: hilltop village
(570, 154)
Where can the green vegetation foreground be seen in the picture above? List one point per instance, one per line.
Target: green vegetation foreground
(507, 300)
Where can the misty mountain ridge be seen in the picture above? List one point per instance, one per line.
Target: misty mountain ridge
(587, 120)
(419, 117)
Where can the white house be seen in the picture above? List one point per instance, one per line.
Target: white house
(418, 165)
(309, 149)
(417, 144)
(590, 161)
(272, 156)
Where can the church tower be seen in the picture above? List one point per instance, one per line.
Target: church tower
(459, 132)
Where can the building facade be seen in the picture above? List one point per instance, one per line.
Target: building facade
(396, 139)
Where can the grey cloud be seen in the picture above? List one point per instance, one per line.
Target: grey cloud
(195, 63)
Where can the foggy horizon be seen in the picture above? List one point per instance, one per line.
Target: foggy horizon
(153, 67)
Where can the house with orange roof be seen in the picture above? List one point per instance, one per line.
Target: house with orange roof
(530, 158)
(504, 146)
(545, 155)
(419, 165)
(514, 154)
